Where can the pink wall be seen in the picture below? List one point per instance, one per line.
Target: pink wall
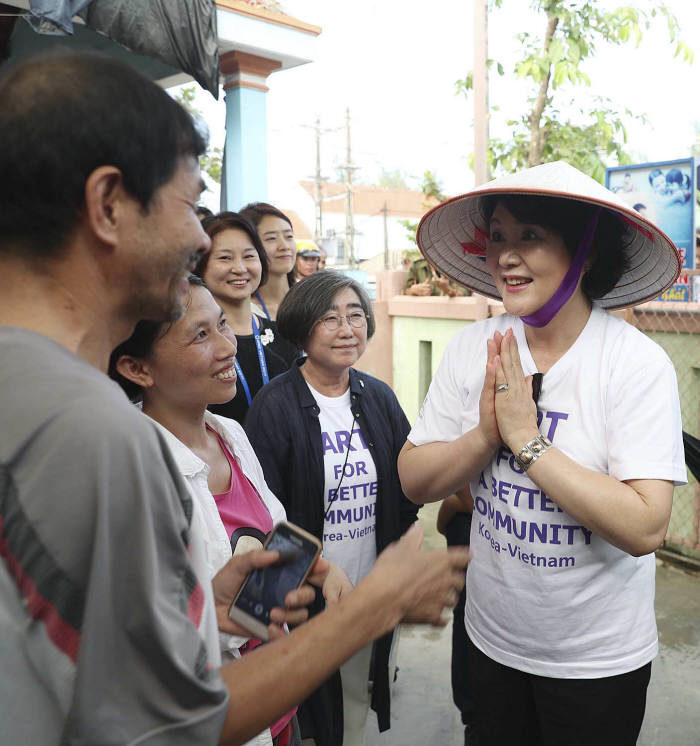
(378, 357)
(377, 360)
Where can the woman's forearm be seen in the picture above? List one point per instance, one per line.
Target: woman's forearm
(632, 516)
(432, 471)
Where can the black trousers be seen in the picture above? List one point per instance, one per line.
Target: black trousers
(514, 708)
(457, 534)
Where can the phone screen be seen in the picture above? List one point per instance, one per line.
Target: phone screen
(267, 587)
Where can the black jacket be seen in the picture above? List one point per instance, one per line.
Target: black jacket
(284, 429)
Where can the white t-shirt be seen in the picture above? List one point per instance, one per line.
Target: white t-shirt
(349, 505)
(544, 594)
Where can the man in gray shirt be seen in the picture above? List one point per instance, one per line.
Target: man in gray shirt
(106, 616)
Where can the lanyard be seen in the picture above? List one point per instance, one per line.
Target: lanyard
(331, 500)
(258, 298)
(261, 361)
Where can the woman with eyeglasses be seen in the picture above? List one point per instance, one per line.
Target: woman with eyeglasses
(328, 437)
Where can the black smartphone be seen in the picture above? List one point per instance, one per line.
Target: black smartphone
(267, 587)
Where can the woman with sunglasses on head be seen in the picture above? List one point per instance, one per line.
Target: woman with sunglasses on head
(328, 437)
(175, 371)
(572, 492)
(234, 269)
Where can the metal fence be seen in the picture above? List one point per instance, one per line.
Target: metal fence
(676, 327)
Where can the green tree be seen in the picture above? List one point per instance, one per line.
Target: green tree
(395, 179)
(695, 147)
(211, 162)
(553, 64)
(431, 188)
(433, 192)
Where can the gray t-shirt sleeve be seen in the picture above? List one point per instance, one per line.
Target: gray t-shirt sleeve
(120, 538)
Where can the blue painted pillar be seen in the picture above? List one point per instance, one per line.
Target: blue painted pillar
(244, 177)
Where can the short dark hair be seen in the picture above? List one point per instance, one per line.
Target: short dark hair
(569, 218)
(256, 211)
(654, 173)
(309, 299)
(225, 221)
(140, 345)
(677, 176)
(62, 116)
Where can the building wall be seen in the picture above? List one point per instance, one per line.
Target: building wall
(376, 359)
(418, 348)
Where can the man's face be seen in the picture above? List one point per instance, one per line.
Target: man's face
(658, 183)
(163, 247)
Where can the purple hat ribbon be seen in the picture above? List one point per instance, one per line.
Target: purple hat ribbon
(549, 310)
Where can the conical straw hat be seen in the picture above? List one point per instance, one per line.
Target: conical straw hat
(452, 236)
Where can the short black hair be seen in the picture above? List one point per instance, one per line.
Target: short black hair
(140, 345)
(654, 173)
(309, 299)
(256, 211)
(677, 176)
(63, 115)
(569, 218)
(225, 221)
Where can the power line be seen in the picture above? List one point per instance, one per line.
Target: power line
(318, 178)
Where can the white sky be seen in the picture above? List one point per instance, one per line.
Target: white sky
(395, 63)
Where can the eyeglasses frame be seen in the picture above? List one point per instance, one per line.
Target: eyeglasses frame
(344, 318)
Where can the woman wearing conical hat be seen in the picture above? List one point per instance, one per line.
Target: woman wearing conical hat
(565, 422)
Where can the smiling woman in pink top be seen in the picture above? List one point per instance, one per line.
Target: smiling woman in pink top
(175, 371)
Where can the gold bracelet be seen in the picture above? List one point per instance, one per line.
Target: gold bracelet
(531, 451)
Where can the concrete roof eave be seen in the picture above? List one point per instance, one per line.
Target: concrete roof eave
(255, 30)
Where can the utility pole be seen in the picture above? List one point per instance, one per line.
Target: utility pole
(481, 93)
(349, 244)
(386, 238)
(318, 180)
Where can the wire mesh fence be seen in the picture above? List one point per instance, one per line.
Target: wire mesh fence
(676, 327)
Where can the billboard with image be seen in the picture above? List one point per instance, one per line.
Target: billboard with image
(664, 193)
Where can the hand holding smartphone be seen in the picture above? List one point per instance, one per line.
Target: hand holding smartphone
(267, 587)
